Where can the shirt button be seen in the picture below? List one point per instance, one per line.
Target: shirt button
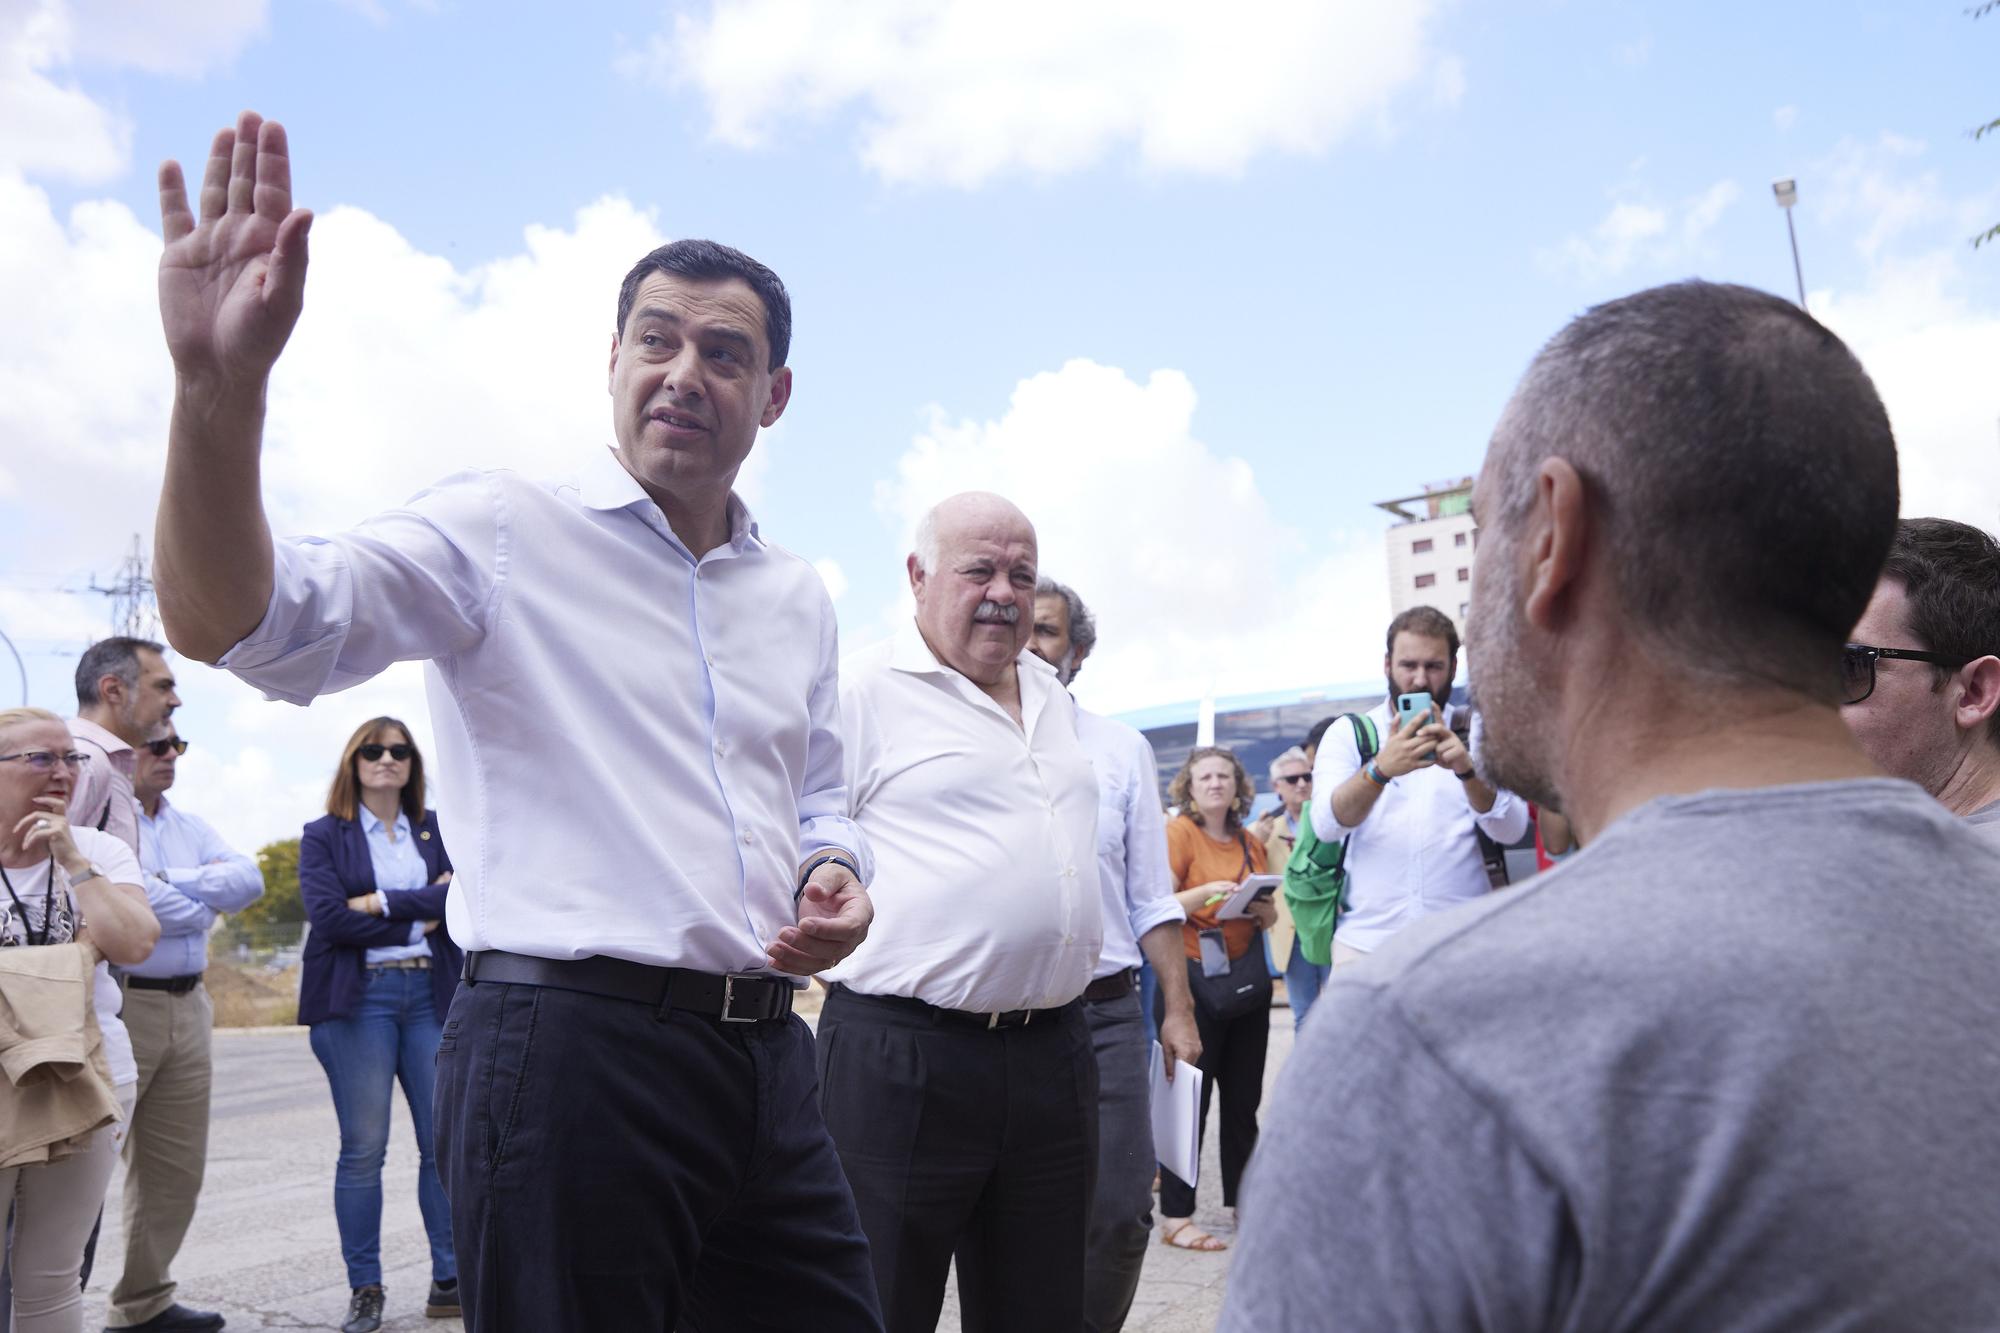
(720, 749)
(708, 661)
(747, 840)
(1071, 872)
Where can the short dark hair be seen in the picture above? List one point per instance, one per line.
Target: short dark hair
(1318, 730)
(1738, 462)
(1082, 624)
(711, 261)
(1950, 575)
(110, 657)
(1425, 620)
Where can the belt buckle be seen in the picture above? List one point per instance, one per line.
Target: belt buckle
(729, 980)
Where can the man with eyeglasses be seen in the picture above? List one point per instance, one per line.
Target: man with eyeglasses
(1142, 920)
(192, 878)
(124, 689)
(1922, 675)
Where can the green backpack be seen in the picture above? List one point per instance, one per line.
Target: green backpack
(1316, 876)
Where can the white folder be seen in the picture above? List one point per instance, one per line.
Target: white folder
(1177, 1117)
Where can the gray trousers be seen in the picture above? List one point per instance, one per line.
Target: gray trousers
(1121, 1211)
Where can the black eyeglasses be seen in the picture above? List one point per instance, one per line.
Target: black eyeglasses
(1857, 666)
(159, 748)
(372, 752)
(1296, 778)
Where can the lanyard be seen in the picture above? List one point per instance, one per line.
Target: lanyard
(48, 904)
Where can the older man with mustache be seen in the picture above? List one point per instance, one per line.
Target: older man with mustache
(956, 1067)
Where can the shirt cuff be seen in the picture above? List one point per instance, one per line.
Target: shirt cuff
(1164, 910)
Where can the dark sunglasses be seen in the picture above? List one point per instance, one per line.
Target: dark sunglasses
(372, 752)
(159, 748)
(1857, 667)
(1297, 778)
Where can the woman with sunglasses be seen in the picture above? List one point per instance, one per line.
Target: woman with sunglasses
(380, 971)
(63, 884)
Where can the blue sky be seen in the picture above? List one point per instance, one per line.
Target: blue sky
(1195, 284)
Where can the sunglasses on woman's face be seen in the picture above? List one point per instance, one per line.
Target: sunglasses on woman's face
(372, 752)
(159, 748)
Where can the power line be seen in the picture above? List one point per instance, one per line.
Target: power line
(134, 613)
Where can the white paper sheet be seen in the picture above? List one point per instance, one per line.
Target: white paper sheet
(1247, 893)
(1176, 1117)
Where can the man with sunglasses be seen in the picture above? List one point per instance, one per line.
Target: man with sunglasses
(192, 877)
(1921, 678)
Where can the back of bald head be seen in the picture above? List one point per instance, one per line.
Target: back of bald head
(955, 514)
(1739, 469)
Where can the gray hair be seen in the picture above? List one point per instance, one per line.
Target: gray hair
(1295, 755)
(1082, 624)
(925, 544)
(110, 657)
(1738, 462)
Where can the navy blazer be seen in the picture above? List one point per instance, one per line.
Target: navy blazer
(334, 866)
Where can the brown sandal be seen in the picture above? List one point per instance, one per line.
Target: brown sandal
(1202, 1241)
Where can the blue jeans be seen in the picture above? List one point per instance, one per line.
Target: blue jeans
(1303, 981)
(391, 1034)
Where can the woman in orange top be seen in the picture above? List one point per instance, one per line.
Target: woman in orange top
(1210, 854)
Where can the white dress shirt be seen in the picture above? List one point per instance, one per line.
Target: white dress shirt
(983, 833)
(398, 865)
(192, 877)
(635, 747)
(1133, 876)
(1415, 853)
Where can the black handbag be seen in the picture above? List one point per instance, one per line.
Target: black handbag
(1244, 989)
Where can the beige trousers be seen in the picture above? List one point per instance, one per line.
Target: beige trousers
(54, 1210)
(167, 1151)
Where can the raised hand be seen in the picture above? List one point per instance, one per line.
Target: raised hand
(232, 285)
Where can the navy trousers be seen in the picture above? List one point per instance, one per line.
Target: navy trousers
(612, 1166)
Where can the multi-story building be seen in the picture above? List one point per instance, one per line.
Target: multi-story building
(1430, 549)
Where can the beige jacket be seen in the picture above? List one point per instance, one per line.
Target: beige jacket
(1277, 838)
(57, 1089)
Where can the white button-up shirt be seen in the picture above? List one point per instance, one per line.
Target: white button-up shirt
(1415, 853)
(192, 877)
(397, 865)
(984, 831)
(636, 747)
(1133, 877)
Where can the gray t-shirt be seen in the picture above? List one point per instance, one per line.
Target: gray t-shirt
(1731, 1067)
(1986, 820)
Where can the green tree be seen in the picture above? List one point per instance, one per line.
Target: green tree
(281, 903)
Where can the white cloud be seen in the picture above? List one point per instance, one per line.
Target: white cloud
(1637, 232)
(53, 128)
(960, 91)
(832, 575)
(1194, 584)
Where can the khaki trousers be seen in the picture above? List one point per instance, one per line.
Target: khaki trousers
(167, 1150)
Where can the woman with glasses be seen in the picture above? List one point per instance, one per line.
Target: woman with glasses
(380, 971)
(1210, 853)
(63, 884)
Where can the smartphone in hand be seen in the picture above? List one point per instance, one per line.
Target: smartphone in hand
(1409, 706)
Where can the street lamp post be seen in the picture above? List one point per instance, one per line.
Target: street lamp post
(1786, 192)
(19, 665)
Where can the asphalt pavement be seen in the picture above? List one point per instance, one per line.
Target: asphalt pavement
(264, 1252)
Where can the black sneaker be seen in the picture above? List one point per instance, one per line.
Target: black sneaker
(176, 1318)
(443, 1300)
(364, 1312)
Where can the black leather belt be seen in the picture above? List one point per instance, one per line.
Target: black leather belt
(1114, 987)
(171, 985)
(991, 1021)
(735, 997)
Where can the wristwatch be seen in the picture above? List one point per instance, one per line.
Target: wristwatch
(90, 872)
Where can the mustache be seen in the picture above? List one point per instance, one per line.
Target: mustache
(992, 613)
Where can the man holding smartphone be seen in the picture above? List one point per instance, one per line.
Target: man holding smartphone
(1410, 810)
